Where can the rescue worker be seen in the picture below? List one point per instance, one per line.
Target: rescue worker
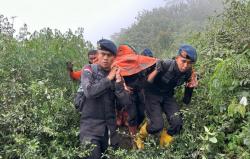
(159, 95)
(102, 86)
(76, 75)
(136, 111)
(132, 68)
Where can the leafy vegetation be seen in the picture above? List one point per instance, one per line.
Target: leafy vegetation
(38, 120)
(216, 124)
(163, 29)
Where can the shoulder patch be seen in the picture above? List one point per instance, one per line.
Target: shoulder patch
(87, 69)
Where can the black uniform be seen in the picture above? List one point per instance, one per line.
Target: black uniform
(97, 123)
(159, 98)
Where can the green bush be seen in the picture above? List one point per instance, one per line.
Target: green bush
(38, 119)
(215, 124)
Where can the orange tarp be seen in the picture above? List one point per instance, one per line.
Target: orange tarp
(131, 63)
(127, 60)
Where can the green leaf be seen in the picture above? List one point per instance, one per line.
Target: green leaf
(213, 140)
(246, 142)
(230, 109)
(242, 110)
(234, 109)
(206, 129)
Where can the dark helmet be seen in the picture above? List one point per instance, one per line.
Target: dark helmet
(107, 45)
(147, 52)
(92, 52)
(191, 52)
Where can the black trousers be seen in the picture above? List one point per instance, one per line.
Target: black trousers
(99, 144)
(136, 111)
(156, 105)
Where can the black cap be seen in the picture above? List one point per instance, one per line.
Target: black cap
(147, 52)
(107, 45)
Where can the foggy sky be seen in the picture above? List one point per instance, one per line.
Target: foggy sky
(99, 18)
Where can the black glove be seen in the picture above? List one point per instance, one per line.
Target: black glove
(187, 95)
(69, 66)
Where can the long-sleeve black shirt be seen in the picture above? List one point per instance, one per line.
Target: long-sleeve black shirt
(101, 94)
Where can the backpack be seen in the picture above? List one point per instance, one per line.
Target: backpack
(80, 98)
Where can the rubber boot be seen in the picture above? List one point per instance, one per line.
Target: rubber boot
(141, 136)
(165, 139)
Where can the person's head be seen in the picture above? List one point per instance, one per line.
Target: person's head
(106, 53)
(92, 56)
(147, 52)
(186, 57)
